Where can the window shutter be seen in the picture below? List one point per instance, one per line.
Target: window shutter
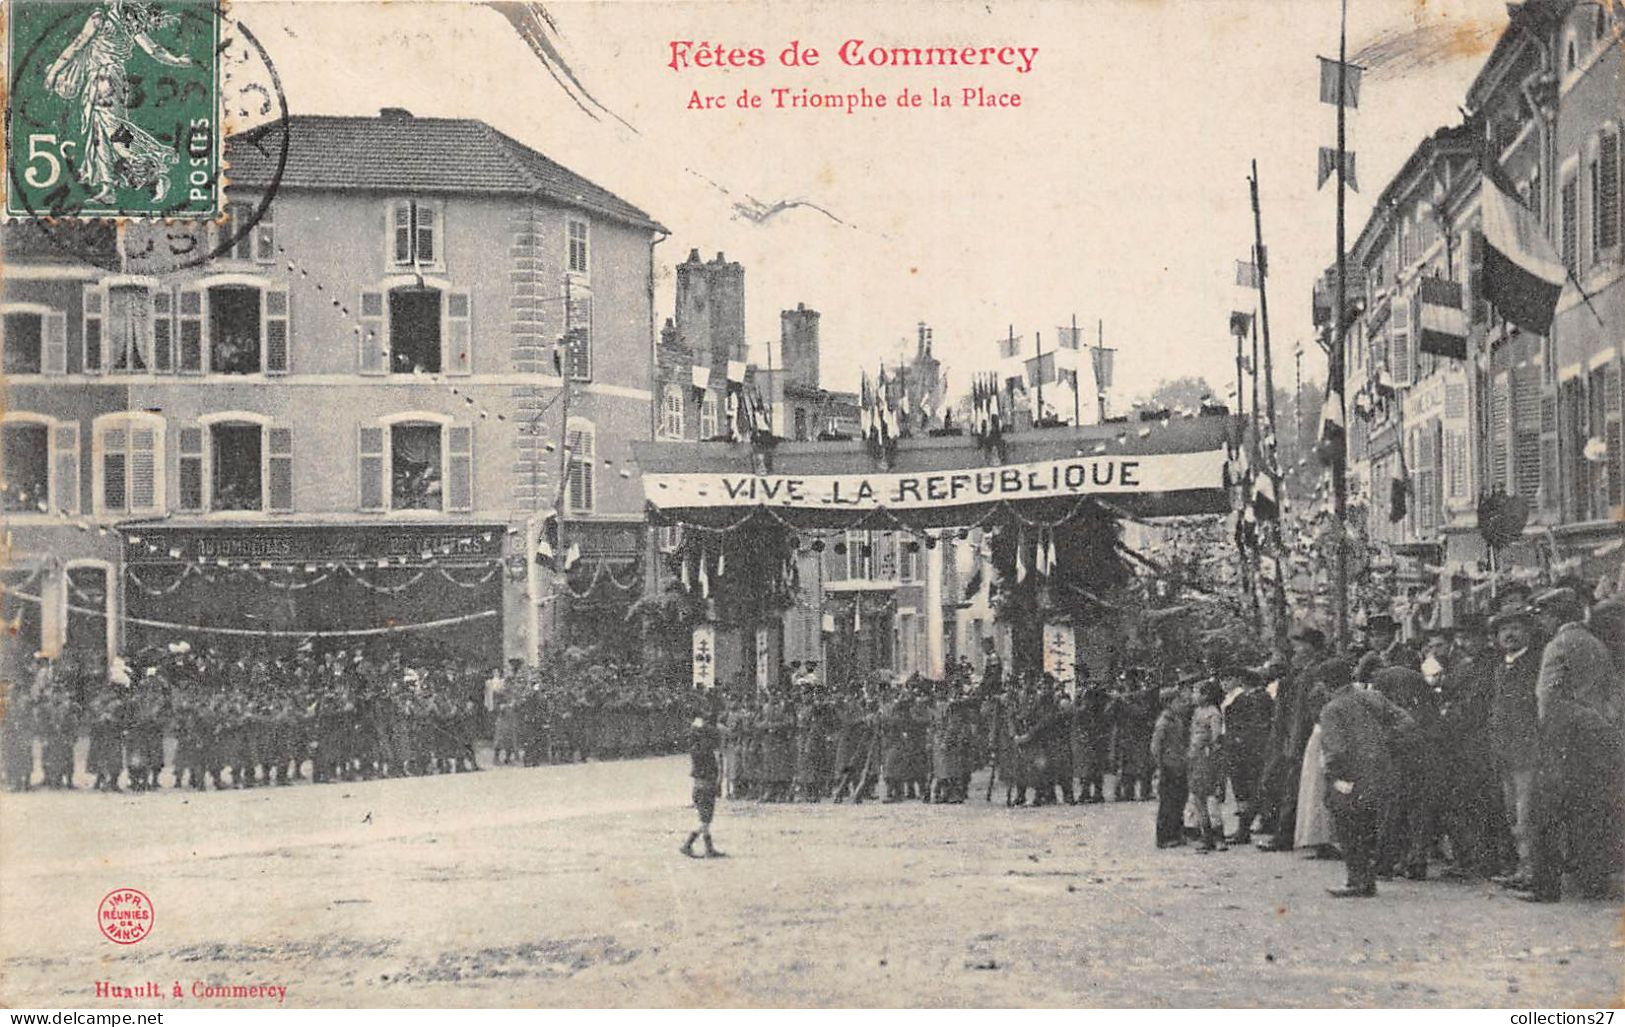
(1500, 441)
(190, 466)
(1571, 223)
(578, 331)
(459, 333)
(65, 468)
(425, 227)
(189, 319)
(279, 469)
(1526, 433)
(370, 467)
(371, 345)
(276, 331)
(143, 468)
(163, 331)
(459, 468)
(1456, 457)
(94, 302)
(55, 328)
(1615, 437)
(401, 230)
(1608, 196)
(582, 459)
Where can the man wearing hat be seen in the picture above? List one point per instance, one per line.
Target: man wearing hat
(1514, 725)
(1358, 727)
(1469, 804)
(1247, 714)
(1289, 735)
(1577, 696)
(1396, 652)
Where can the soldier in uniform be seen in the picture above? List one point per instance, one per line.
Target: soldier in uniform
(704, 769)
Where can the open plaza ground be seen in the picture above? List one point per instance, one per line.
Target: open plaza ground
(563, 886)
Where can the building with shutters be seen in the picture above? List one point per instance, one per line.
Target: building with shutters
(1529, 416)
(345, 416)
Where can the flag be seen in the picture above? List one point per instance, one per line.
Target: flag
(1398, 499)
(1247, 274)
(546, 539)
(1049, 555)
(1328, 167)
(1009, 347)
(1021, 560)
(1444, 322)
(1240, 323)
(1332, 433)
(701, 377)
(572, 556)
(1041, 369)
(736, 372)
(1522, 273)
(1102, 359)
(1328, 82)
(1069, 338)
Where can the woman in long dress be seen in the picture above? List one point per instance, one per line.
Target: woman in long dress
(114, 152)
(1314, 826)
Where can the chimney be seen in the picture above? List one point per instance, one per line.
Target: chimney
(395, 114)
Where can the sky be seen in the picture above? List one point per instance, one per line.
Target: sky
(1116, 192)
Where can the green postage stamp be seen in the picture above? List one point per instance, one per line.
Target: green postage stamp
(114, 109)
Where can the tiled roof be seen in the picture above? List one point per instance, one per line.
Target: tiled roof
(399, 152)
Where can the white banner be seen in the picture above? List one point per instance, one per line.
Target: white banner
(765, 676)
(1048, 479)
(705, 656)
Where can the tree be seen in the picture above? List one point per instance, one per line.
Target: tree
(1178, 393)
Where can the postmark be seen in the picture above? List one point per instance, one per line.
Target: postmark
(115, 109)
(125, 916)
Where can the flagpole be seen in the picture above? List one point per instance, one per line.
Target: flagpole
(1038, 349)
(1335, 372)
(1272, 465)
(1100, 387)
(1077, 387)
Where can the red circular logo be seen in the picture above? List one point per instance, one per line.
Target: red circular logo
(125, 916)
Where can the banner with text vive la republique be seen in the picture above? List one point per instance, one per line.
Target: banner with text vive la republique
(1072, 477)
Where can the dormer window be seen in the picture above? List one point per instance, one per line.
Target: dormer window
(415, 234)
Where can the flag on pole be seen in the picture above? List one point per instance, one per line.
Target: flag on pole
(1010, 347)
(1265, 504)
(1332, 434)
(547, 538)
(1069, 338)
(1328, 167)
(1240, 322)
(1522, 275)
(1247, 274)
(1041, 369)
(1444, 322)
(1328, 82)
(1102, 359)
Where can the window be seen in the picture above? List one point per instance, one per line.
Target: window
(428, 465)
(668, 537)
(128, 477)
(671, 412)
(801, 424)
(582, 494)
(1570, 227)
(708, 416)
(415, 467)
(25, 475)
(578, 246)
(190, 469)
(238, 457)
(234, 329)
(907, 559)
(35, 340)
(415, 329)
(415, 233)
(1605, 195)
(249, 240)
(858, 553)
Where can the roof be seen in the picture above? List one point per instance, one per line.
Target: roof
(1459, 139)
(396, 151)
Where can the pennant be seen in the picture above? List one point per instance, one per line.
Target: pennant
(572, 556)
(1328, 82)
(1522, 273)
(688, 585)
(1265, 504)
(546, 537)
(1332, 434)
(1247, 276)
(1444, 322)
(1021, 560)
(1049, 555)
(1328, 167)
(705, 580)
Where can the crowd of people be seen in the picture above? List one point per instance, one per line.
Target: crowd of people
(1493, 749)
(245, 719)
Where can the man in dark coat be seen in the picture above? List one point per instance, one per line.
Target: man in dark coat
(1288, 736)
(1514, 727)
(1407, 829)
(1578, 696)
(1469, 803)
(1247, 716)
(1357, 731)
